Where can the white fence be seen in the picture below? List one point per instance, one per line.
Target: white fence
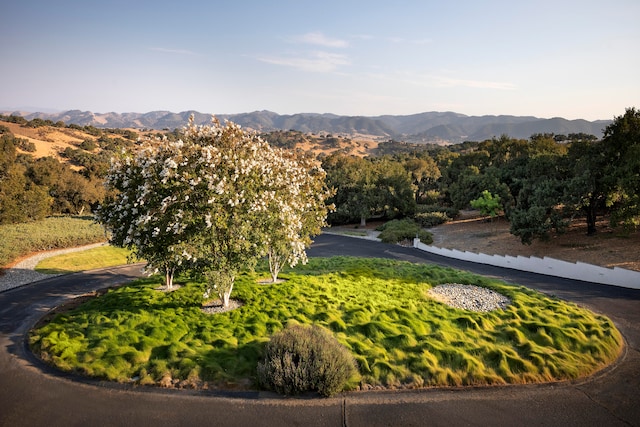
(549, 266)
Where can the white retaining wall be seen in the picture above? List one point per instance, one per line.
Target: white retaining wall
(550, 266)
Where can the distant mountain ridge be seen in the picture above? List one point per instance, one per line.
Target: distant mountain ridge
(428, 127)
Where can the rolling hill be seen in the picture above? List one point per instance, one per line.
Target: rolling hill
(428, 127)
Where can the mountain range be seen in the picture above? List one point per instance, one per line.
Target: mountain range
(429, 127)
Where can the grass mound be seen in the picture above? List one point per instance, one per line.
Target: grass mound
(378, 309)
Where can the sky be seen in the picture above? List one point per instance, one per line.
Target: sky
(562, 58)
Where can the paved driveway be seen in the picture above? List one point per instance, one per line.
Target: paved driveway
(31, 395)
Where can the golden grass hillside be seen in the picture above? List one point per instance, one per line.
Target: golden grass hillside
(52, 141)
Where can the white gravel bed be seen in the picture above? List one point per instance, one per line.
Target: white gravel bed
(23, 272)
(469, 297)
(216, 306)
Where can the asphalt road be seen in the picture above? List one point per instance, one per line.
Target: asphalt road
(33, 395)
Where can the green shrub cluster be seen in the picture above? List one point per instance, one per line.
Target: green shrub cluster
(26, 145)
(431, 219)
(305, 358)
(398, 230)
(88, 145)
(432, 215)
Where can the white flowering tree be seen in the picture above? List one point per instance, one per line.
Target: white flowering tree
(298, 210)
(260, 200)
(146, 211)
(213, 203)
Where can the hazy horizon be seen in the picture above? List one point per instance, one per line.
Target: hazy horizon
(34, 110)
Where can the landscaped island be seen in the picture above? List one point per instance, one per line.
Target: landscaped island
(380, 310)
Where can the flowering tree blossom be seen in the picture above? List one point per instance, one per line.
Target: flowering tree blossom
(145, 211)
(260, 200)
(298, 210)
(213, 202)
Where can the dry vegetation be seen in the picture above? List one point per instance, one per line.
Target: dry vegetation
(49, 141)
(323, 143)
(52, 141)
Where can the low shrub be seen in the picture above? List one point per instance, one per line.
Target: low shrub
(431, 197)
(305, 358)
(26, 145)
(431, 219)
(88, 145)
(450, 211)
(398, 230)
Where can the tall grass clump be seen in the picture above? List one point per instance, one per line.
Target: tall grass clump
(50, 233)
(305, 358)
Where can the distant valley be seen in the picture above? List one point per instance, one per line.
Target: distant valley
(429, 127)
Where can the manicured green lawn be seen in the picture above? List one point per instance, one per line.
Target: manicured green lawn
(103, 256)
(379, 309)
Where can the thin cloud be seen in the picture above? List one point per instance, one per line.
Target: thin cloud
(321, 62)
(440, 81)
(319, 39)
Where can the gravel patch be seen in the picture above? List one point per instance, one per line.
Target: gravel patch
(469, 297)
(23, 272)
(216, 306)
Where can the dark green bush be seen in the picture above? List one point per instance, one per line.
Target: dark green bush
(398, 230)
(88, 145)
(431, 219)
(302, 358)
(26, 145)
(430, 197)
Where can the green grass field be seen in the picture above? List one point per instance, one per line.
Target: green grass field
(50, 233)
(379, 309)
(103, 256)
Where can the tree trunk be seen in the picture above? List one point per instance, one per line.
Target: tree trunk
(274, 265)
(227, 296)
(168, 277)
(591, 220)
(363, 221)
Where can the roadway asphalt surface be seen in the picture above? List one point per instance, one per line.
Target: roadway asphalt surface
(34, 395)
